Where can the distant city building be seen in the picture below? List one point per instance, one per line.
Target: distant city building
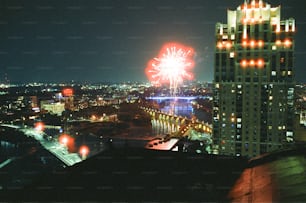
(52, 107)
(253, 80)
(69, 98)
(303, 118)
(34, 101)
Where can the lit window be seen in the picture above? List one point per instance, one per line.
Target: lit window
(243, 63)
(260, 63)
(287, 43)
(273, 47)
(252, 43)
(273, 73)
(270, 97)
(278, 42)
(228, 45)
(289, 72)
(252, 62)
(260, 43)
(232, 54)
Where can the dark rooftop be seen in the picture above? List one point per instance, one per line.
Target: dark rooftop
(137, 175)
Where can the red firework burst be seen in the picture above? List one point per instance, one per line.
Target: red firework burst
(172, 66)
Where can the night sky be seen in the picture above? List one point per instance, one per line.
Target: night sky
(112, 40)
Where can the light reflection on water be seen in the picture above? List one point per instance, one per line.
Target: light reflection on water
(184, 108)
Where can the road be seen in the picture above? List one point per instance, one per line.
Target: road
(57, 149)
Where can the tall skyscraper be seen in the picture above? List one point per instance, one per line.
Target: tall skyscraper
(253, 80)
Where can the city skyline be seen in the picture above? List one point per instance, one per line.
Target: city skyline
(97, 41)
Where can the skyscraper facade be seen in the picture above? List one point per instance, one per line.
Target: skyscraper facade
(253, 80)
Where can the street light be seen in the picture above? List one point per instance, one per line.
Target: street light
(39, 126)
(84, 151)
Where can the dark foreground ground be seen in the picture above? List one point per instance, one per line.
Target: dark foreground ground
(137, 175)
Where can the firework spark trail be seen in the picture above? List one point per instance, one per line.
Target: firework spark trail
(172, 66)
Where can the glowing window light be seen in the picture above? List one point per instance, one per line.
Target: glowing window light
(293, 27)
(260, 63)
(260, 43)
(252, 63)
(244, 43)
(228, 45)
(243, 63)
(278, 42)
(220, 45)
(252, 43)
(277, 29)
(287, 43)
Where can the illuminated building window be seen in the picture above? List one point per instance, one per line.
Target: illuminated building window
(278, 42)
(287, 43)
(243, 63)
(252, 43)
(260, 63)
(220, 45)
(282, 59)
(232, 54)
(252, 63)
(228, 45)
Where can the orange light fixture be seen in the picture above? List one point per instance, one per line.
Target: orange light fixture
(260, 43)
(260, 63)
(287, 43)
(278, 42)
(243, 63)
